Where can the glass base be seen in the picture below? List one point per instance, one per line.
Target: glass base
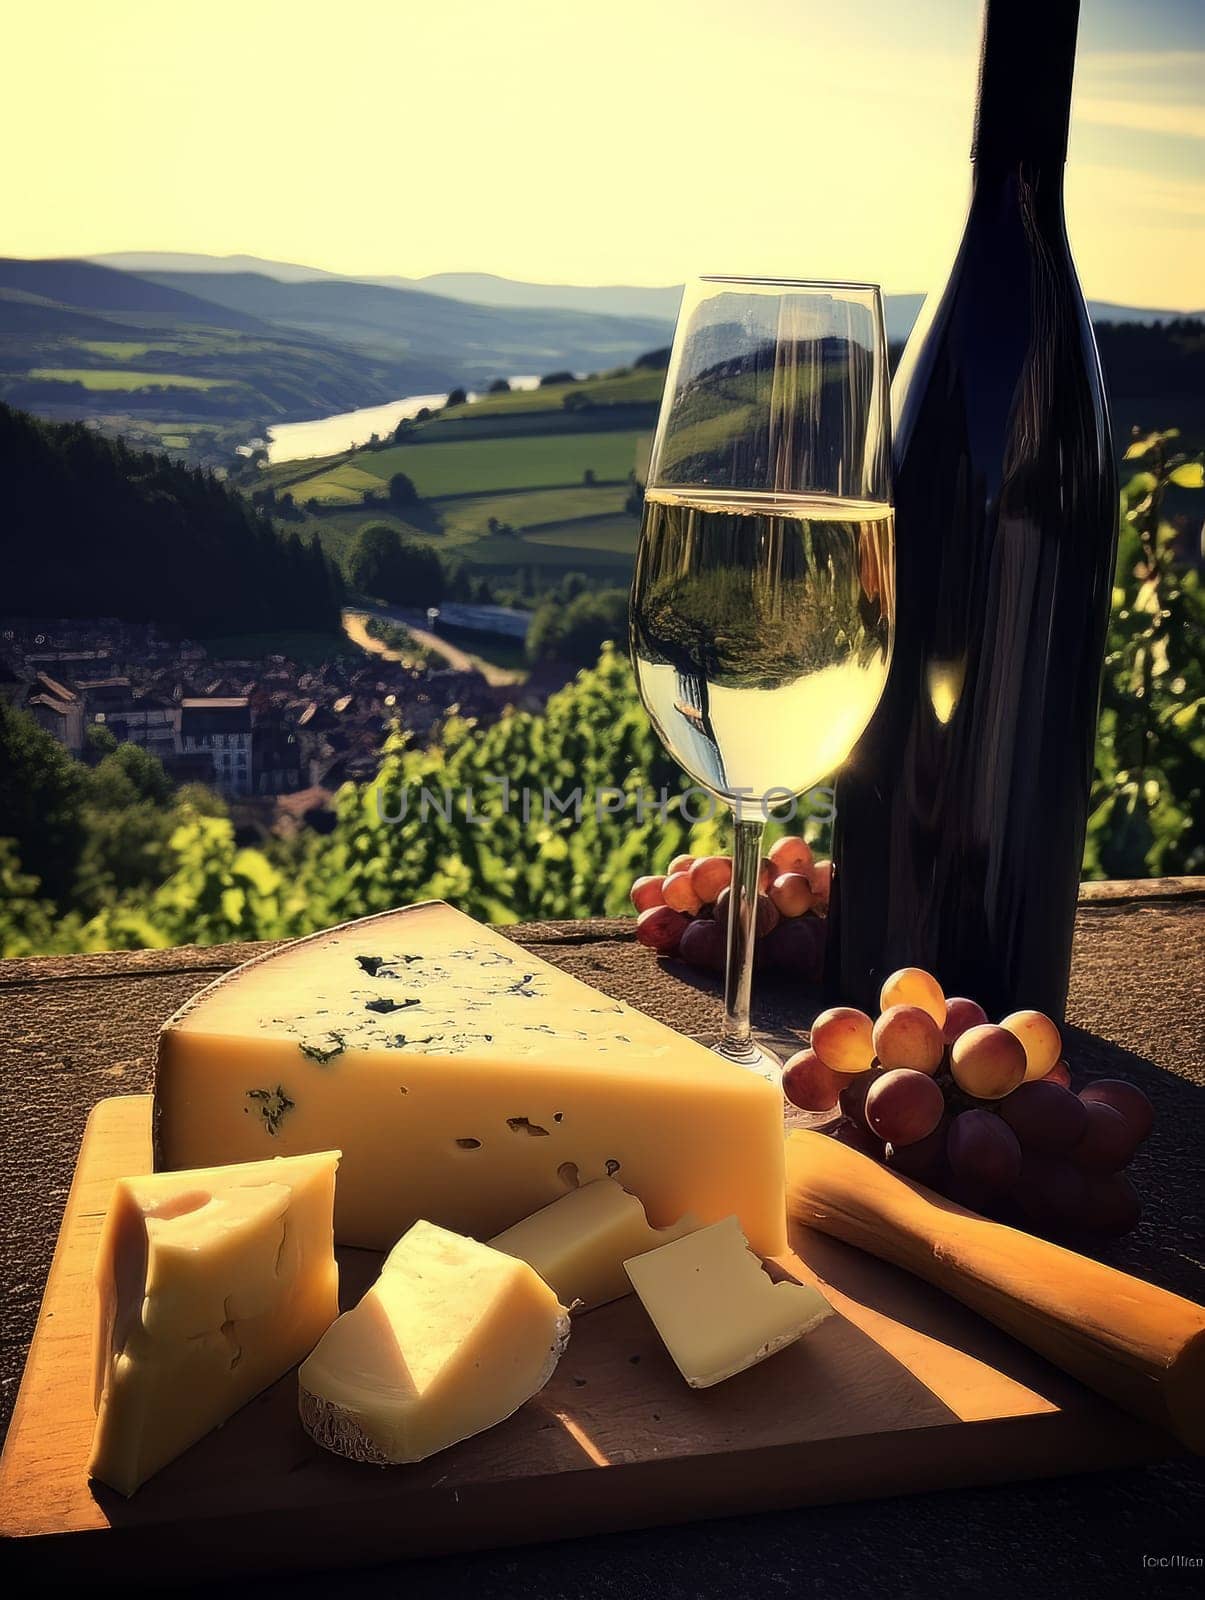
(754, 1057)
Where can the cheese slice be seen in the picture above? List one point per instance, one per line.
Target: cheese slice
(211, 1285)
(466, 1082)
(580, 1242)
(714, 1306)
(452, 1338)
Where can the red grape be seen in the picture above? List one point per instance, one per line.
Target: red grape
(790, 854)
(1126, 1099)
(703, 945)
(972, 1195)
(906, 1036)
(1052, 1194)
(1106, 1143)
(903, 1106)
(859, 1139)
(987, 1062)
(820, 876)
(792, 894)
(808, 1083)
(709, 875)
(680, 864)
(962, 1014)
(924, 1159)
(679, 894)
(912, 986)
(1046, 1118)
(983, 1150)
(768, 917)
(661, 928)
(1059, 1073)
(1112, 1205)
(841, 1037)
(1040, 1038)
(795, 947)
(766, 914)
(646, 892)
(853, 1095)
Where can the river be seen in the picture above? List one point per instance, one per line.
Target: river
(327, 436)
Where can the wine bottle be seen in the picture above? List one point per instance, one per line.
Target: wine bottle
(960, 817)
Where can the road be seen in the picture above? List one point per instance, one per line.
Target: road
(354, 626)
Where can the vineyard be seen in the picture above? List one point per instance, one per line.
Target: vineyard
(552, 815)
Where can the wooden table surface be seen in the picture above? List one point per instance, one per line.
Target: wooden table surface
(76, 1029)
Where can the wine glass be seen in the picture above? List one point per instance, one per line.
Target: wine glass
(762, 609)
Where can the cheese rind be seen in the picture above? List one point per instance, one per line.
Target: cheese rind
(211, 1285)
(466, 1082)
(579, 1243)
(451, 1339)
(714, 1306)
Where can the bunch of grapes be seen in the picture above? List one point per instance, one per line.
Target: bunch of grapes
(685, 911)
(984, 1113)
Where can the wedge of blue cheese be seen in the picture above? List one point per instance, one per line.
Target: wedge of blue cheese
(467, 1083)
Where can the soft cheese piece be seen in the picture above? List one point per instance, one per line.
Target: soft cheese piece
(452, 1338)
(580, 1242)
(211, 1284)
(466, 1082)
(714, 1306)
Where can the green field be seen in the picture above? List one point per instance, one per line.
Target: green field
(518, 459)
(103, 378)
(471, 467)
(118, 349)
(640, 386)
(530, 508)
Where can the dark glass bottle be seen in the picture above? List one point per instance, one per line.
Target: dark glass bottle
(961, 814)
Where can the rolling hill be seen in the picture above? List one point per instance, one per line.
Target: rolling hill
(488, 289)
(515, 484)
(469, 342)
(199, 361)
(160, 365)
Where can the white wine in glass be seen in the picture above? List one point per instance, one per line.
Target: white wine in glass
(762, 606)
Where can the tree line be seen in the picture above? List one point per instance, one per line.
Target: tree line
(95, 528)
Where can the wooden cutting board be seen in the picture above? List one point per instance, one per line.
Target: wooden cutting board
(904, 1391)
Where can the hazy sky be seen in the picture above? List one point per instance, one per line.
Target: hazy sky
(585, 141)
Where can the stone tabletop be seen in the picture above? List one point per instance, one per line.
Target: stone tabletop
(75, 1029)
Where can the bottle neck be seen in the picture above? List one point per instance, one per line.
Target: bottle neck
(1024, 104)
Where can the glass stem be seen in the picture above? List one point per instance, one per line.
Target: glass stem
(737, 1041)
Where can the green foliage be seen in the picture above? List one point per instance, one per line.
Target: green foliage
(388, 567)
(575, 632)
(41, 790)
(1148, 816)
(26, 919)
(402, 492)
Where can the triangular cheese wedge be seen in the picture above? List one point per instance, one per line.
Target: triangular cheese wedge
(466, 1082)
(452, 1338)
(580, 1242)
(211, 1285)
(715, 1307)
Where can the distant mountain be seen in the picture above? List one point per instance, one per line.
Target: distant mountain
(487, 288)
(618, 300)
(143, 261)
(470, 342)
(87, 287)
